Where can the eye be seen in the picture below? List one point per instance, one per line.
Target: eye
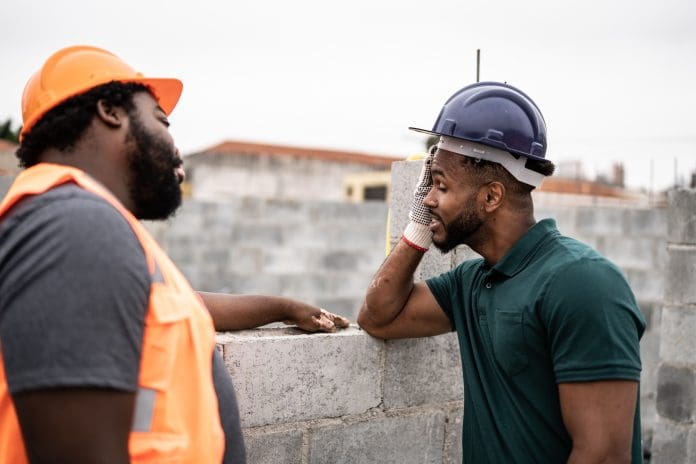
(164, 121)
(440, 186)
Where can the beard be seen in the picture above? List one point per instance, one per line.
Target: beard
(461, 229)
(154, 187)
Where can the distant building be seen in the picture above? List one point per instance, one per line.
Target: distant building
(236, 168)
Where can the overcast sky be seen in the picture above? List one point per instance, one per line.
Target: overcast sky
(615, 80)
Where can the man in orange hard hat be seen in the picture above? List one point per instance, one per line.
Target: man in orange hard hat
(108, 355)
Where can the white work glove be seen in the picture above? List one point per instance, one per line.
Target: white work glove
(417, 233)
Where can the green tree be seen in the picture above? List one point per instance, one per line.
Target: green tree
(7, 133)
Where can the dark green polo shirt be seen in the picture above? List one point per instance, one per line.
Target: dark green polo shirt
(552, 310)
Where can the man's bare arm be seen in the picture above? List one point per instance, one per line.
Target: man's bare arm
(239, 312)
(395, 307)
(599, 417)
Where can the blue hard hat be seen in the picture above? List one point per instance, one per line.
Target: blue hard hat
(494, 114)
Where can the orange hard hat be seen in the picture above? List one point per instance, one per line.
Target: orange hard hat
(75, 70)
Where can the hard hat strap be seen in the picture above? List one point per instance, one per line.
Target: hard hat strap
(515, 166)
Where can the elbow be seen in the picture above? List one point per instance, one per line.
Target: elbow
(367, 323)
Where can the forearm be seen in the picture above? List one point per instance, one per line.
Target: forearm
(239, 312)
(390, 287)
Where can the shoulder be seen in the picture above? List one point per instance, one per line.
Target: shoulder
(69, 215)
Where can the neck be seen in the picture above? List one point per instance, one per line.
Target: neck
(500, 233)
(100, 163)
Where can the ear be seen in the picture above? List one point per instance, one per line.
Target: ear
(492, 195)
(112, 116)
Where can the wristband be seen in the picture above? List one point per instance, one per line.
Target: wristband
(417, 236)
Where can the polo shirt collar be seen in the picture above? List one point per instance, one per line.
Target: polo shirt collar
(516, 258)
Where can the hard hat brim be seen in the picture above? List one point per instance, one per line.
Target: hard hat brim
(166, 91)
(429, 132)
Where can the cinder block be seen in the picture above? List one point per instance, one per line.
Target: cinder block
(349, 284)
(669, 443)
(285, 375)
(273, 447)
(646, 222)
(305, 285)
(600, 221)
(434, 263)
(681, 274)
(565, 218)
(676, 393)
(286, 211)
(678, 328)
(245, 260)
(681, 216)
(258, 234)
(285, 260)
(647, 285)
(631, 252)
(453, 437)
(422, 371)
(254, 284)
(408, 439)
(351, 212)
(403, 180)
(367, 236)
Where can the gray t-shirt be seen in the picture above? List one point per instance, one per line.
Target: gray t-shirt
(74, 289)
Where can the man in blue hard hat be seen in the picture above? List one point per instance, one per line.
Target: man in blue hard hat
(548, 328)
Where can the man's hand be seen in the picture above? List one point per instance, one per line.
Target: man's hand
(417, 233)
(313, 319)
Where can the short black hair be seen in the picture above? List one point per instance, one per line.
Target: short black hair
(488, 171)
(62, 126)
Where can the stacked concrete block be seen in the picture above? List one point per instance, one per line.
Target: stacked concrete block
(674, 438)
(346, 397)
(321, 252)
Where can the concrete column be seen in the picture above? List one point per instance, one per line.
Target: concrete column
(674, 437)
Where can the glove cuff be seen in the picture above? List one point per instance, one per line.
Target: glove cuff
(417, 236)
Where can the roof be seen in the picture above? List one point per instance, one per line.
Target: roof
(236, 147)
(582, 187)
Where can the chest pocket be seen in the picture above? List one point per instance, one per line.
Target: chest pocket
(509, 343)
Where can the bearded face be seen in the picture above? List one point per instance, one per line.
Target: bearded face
(459, 229)
(154, 184)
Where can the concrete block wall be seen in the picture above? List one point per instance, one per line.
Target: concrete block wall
(324, 253)
(346, 397)
(675, 427)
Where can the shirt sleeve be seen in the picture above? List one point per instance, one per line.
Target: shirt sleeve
(74, 289)
(594, 324)
(442, 287)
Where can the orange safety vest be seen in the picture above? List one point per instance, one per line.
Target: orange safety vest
(176, 416)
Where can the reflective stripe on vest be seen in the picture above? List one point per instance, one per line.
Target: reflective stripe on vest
(176, 415)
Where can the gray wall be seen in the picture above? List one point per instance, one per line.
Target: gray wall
(675, 432)
(322, 252)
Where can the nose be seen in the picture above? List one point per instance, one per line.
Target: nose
(429, 199)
